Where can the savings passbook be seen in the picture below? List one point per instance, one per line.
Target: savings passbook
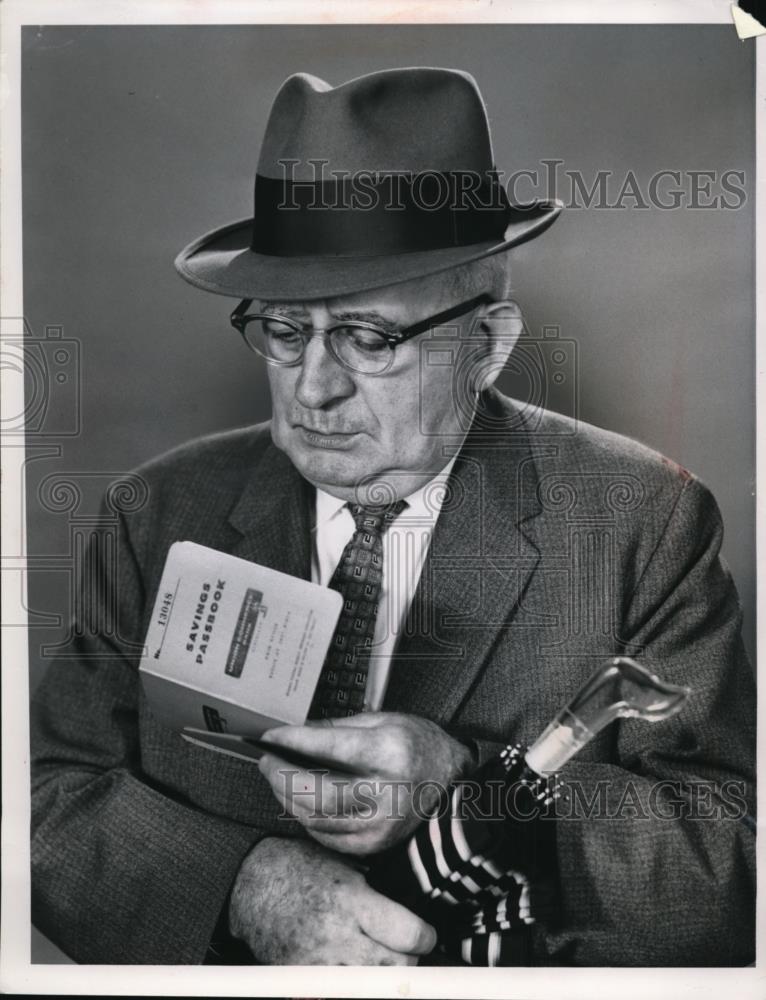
(233, 648)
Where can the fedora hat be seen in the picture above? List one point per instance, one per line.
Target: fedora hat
(385, 178)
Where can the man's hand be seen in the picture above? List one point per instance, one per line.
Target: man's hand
(295, 903)
(398, 765)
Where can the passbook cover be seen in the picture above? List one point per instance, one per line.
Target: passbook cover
(233, 648)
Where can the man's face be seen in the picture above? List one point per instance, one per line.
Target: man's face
(340, 428)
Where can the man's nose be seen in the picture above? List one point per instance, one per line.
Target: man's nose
(321, 378)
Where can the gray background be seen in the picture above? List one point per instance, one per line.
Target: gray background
(136, 140)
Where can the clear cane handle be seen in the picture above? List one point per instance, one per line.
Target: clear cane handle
(619, 689)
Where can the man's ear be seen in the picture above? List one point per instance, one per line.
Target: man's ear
(502, 323)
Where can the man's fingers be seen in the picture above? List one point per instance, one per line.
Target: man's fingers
(295, 789)
(293, 775)
(316, 794)
(348, 844)
(345, 745)
(334, 823)
(362, 720)
(395, 926)
(357, 950)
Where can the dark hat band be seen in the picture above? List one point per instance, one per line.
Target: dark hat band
(373, 214)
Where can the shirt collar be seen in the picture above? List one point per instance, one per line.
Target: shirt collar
(425, 502)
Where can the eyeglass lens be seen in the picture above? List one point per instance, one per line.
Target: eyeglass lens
(282, 342)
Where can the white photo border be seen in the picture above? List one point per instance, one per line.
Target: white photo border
(17, 974)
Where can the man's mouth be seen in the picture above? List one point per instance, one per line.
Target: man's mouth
(326, 438)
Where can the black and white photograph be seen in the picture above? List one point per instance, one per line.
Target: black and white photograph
(379, 487)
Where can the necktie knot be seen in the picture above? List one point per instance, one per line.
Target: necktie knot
(376, 520)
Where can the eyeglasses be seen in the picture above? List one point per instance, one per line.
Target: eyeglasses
(363, 348)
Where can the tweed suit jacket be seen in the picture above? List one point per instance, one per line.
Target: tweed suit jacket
(558, 544)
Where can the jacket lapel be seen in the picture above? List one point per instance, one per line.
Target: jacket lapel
(477, 569)
(273, 517)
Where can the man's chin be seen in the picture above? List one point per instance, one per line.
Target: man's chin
(337, 471)
(352, 477)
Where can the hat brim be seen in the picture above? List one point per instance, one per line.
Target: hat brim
(222, 262)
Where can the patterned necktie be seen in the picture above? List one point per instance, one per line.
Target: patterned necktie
(358, 578)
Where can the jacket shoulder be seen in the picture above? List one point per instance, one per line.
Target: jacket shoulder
(580, 447)
(190, 491)
(580, 468)
(227, 457)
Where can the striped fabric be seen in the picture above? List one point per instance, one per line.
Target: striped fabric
(482, 868)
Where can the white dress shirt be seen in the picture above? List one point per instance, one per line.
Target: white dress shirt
(405, 545)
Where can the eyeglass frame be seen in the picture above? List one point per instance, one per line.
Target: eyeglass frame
(240, 318)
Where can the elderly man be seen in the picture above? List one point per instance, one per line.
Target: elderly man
(501, 551)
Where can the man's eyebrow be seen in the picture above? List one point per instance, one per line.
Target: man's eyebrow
(366, 316)
(284, 309)
(294, 311)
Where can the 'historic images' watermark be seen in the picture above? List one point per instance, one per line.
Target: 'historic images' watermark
(432, 190)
